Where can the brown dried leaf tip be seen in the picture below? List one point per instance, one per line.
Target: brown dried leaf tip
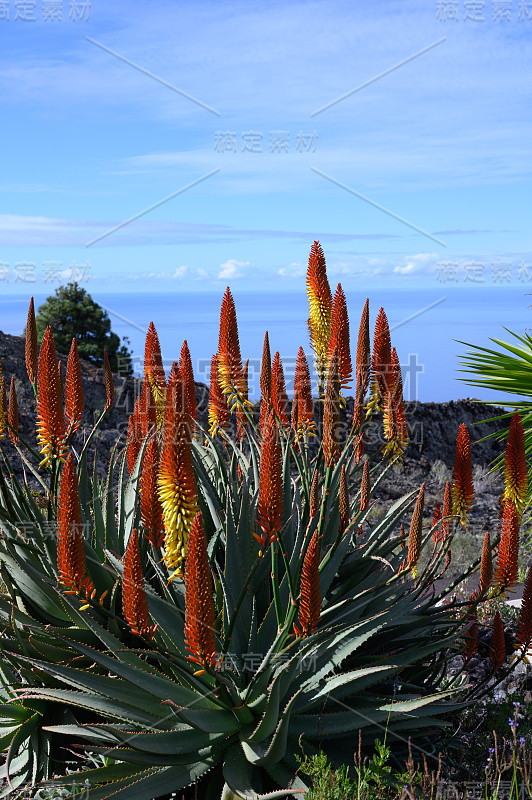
(200, 638)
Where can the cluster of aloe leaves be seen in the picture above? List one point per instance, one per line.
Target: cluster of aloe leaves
(76, 682)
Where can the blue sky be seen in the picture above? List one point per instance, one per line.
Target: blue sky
(442, 142)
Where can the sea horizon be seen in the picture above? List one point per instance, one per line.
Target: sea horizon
(424, 325)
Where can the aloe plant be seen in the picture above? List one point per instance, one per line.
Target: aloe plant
(220, 602)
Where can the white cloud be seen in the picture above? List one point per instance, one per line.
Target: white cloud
(293, 270)
(232, 269)
(416, 263)
(181, 271)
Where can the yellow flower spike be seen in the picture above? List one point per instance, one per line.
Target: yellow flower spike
(320, 304)
(176, 482)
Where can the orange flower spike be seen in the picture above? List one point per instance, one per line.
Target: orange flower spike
(134, 437)
(229, 358)
(148, 417)
(497, 648)
(279, 396)
(358, 418)
(339, 338)
(331, 414)
(364, 487)
(396, 387)
(134, 600)
(265, 381)
(50, 419)
(60, 378)
(380, 362)
(389, 425)
(270, 508)
(506, 573)
(71, 564)
(416, 531)
(154, 371)
(241, 418)
(31, 344)
(363, 358)
(218, 412)
(524, 633)
(320, 303)
(200, 638)
(187, 374)
(462, 489)
(314, 497)
(343, 500)
(436, 517)
(3, 406)
(12, 413)
(310, 596)
(303, 392)
(486, 566)
(446, 512)
(150, 506)
(109, 385)
(74, 400)
(176, 481)
(516, 472)
(402, 534)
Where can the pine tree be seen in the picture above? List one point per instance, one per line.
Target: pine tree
(72, 312)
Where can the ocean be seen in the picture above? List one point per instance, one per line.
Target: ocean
(424, 324)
